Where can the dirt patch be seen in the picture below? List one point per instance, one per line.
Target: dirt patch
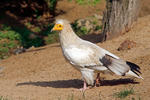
(145, 8)
(73, 11)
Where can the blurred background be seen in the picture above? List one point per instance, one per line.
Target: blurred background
(27, 23)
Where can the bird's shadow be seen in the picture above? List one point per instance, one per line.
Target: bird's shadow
(118, 82)
(76, 83)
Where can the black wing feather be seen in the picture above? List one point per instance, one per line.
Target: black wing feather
(135, 68)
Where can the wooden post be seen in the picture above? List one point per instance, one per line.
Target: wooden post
(119, 17)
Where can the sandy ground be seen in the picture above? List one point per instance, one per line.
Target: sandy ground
(73, 11)
(43, 73)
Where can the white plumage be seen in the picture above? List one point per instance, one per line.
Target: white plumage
(76, 54)
(88, 57)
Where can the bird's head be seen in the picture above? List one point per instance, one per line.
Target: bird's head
(59, 25)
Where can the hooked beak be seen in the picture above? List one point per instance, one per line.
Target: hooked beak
(57, 27)
(54, 28)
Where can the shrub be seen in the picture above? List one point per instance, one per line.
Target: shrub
(124, 93)
(79, 30)
(53, 37)
(9, 40)
(28, 38)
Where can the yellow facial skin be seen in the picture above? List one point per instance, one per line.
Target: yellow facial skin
(57, 27)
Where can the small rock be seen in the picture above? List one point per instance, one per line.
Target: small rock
(31, 48)
(99, 17)
(1, 69)
(19, 50)
(88, 25)
(126, 45)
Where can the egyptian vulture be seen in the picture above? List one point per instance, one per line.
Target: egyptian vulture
(88, 57)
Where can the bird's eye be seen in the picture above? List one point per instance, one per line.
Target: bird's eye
(59, 25)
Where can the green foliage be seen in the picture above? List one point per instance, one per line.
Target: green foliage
(83, 30)
(2, 98)
(28, 24)
(81, 2)
(95, 22)
(69, 0)
(9, 40)
(11, 35)
(96, 1)
(36, 29)
(4, 52)
(47, 30)
(98, 27)
(79, 30)
(52, 38)
(51, 5)
(28, 38)
(124, 93)
(84, 2)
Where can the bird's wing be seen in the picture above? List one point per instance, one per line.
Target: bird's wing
(82, 56)
(108, 53)
(111, 61)
(99, 50)
(107, 60)
(118, 66)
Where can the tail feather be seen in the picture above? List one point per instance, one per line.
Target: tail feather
(133, 67)
(133, 74)
(120, 67)
(134, 70)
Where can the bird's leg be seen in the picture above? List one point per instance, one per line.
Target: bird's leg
(97, 83)
(84, 87)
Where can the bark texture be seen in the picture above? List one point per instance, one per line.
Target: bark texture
(119, 17)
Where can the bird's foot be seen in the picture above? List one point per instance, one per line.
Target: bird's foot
(83, 89)
(97, 82)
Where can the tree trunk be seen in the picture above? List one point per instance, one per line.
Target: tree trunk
(119, 17)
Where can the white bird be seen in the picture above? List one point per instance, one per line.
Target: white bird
(87, 57)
